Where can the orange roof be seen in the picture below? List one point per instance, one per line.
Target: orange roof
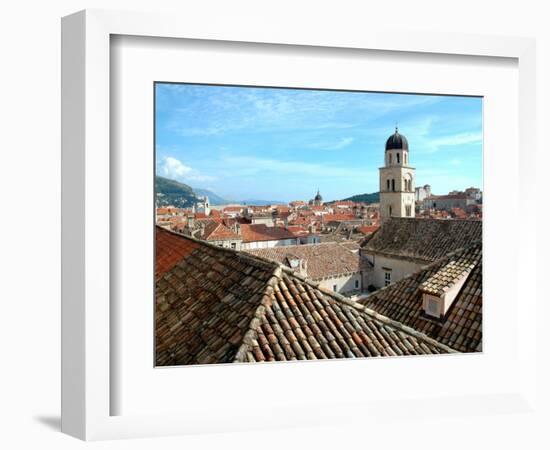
(170, 250)
(215, 231)
(368, 229)
(338, 217)
(300, 221)
(344, 203)
(210, 219)
(297, 230)
(261, 232)
(233, 208)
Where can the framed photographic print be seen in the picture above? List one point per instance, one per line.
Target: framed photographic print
(278, 275)
(309, 217)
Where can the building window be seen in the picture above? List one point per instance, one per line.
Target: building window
(397, 156)
(356, 284)
(334, 288)
(393, 184)
(387, 278)
(388, 184)
(389, 210)
(408, 210)
(233, 245)
(389, 158)
(404, 158)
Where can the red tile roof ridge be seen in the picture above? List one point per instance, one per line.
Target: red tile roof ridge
(369, 312)
(277, 275)
(251, 332)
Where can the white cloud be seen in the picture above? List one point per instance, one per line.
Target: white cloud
(425, 144)
(246, 166)
(174, 169)
(219, 110)
(341, 143)
(458, 139)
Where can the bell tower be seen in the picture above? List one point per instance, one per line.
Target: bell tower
(396, 179)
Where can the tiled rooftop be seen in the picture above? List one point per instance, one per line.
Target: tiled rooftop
(421, 239)
(338, 217)
(462, 327)
(217, 305)
(261, 232)
(368, 229)
(323, 260)
(170, 249)
(214, 231)
(446, 277)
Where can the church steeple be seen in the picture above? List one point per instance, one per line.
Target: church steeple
(318, 200)
(396, 179)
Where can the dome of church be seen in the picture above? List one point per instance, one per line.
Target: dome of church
(397, 142)
(318, 197)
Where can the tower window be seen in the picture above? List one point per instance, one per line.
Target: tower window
(397, 156)
(389, 158)
(408, 210)
(404, 158)
(388, 184)
(389, 210)
(393, 184)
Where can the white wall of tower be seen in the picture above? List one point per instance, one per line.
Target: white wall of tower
(397, 185)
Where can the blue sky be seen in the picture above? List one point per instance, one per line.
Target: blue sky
(283, 144)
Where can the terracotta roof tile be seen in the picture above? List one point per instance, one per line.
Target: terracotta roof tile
(217, 305)
(367, 229)
(423, 239)
(215, 231)
(261, 232)
(462, 326)
(170, 249)
(338, 217)
(322, 260)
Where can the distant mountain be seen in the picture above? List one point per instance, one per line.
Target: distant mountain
(170, 192)
(261, 202)
(214, 198)
(180, 195)
(365, 198)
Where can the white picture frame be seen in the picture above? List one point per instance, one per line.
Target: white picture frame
(86, 215)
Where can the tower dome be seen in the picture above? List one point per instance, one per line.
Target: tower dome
(318, 197)
(397, 142)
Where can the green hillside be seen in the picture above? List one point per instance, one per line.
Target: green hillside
(365, 198)
(170, 192)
